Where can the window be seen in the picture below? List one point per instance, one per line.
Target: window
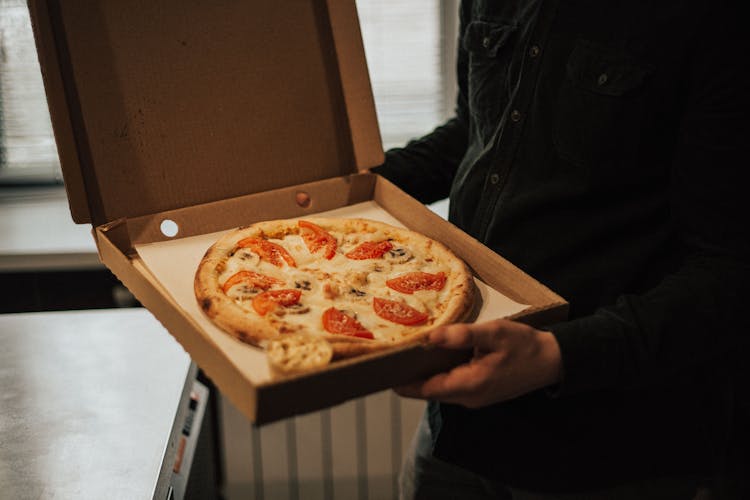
(410, 48)
(27, 147)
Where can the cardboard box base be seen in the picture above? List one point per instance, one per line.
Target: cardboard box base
(237, 373)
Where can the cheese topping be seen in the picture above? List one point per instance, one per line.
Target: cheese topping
(346, 284)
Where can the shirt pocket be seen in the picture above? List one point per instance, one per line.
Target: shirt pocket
(485, 43)
(600, 106)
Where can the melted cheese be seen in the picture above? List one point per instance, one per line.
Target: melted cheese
(346, 284)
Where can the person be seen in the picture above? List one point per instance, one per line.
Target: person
(601, 147)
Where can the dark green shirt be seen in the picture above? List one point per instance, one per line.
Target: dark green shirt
(602, 146)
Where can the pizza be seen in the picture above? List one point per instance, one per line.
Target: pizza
(316, 289)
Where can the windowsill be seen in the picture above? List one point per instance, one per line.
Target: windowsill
(37, 232)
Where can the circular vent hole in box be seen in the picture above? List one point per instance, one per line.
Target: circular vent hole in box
(169, 228)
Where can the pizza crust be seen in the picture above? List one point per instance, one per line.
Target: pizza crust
(291, 354)
(251, 328)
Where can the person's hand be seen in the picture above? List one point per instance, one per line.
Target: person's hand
(510, 359)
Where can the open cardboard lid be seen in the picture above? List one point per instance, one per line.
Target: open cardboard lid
(163, 105)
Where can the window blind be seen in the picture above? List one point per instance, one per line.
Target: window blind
(27, 146)
(405, 45)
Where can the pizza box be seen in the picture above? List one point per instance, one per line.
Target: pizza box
(178, 120)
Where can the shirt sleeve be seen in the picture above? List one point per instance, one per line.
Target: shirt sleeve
(425, 167)
(694, 316)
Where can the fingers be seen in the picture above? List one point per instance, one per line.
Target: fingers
(497, 372)
(487, 336)
(458, 336)
(463, 385)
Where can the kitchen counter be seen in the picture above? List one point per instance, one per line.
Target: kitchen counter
(88, 402)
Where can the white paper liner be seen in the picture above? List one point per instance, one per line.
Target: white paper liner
(174, 263)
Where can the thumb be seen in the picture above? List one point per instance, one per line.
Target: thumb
(487, 336)
(456, 336)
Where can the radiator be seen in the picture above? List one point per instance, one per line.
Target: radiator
(350, 452)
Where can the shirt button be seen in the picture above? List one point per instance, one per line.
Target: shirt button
(494, 178)
(486, 42)
(534, 51)
(602, 79)
(515, 115)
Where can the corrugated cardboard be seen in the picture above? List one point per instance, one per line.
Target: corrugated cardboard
(161, 105)
(216, 116)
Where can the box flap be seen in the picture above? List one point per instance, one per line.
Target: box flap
(163, 105)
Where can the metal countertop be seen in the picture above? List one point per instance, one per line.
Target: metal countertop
(87, 403)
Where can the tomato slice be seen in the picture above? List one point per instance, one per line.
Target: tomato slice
(265, 302)
(251, 278)
(316, 238)
(398, 312)
(370, 250)
(268, 250)
(411, 282)
(336, 321)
